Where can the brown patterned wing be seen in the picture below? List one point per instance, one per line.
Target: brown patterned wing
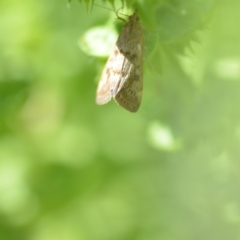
(131, 45)
(103, 91)
(129, 93)
(122, 77)
(110, 78)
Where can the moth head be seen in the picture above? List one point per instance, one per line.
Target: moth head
(134, 16)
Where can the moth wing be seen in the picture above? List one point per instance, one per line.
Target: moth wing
(103, 91)
(117, 72)
(122, 77)
(129, 93)
(111, 77)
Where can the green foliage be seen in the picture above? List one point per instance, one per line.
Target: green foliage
(70, 169)
(169, 26)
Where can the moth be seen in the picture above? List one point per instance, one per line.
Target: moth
(122, 76)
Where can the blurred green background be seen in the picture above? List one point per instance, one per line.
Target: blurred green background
(70, 169)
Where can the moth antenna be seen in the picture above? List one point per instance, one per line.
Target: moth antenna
(113, 10)
(122, 14)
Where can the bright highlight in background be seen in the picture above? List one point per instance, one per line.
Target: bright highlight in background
(161, 137)
(98, 41)
(228, 69)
